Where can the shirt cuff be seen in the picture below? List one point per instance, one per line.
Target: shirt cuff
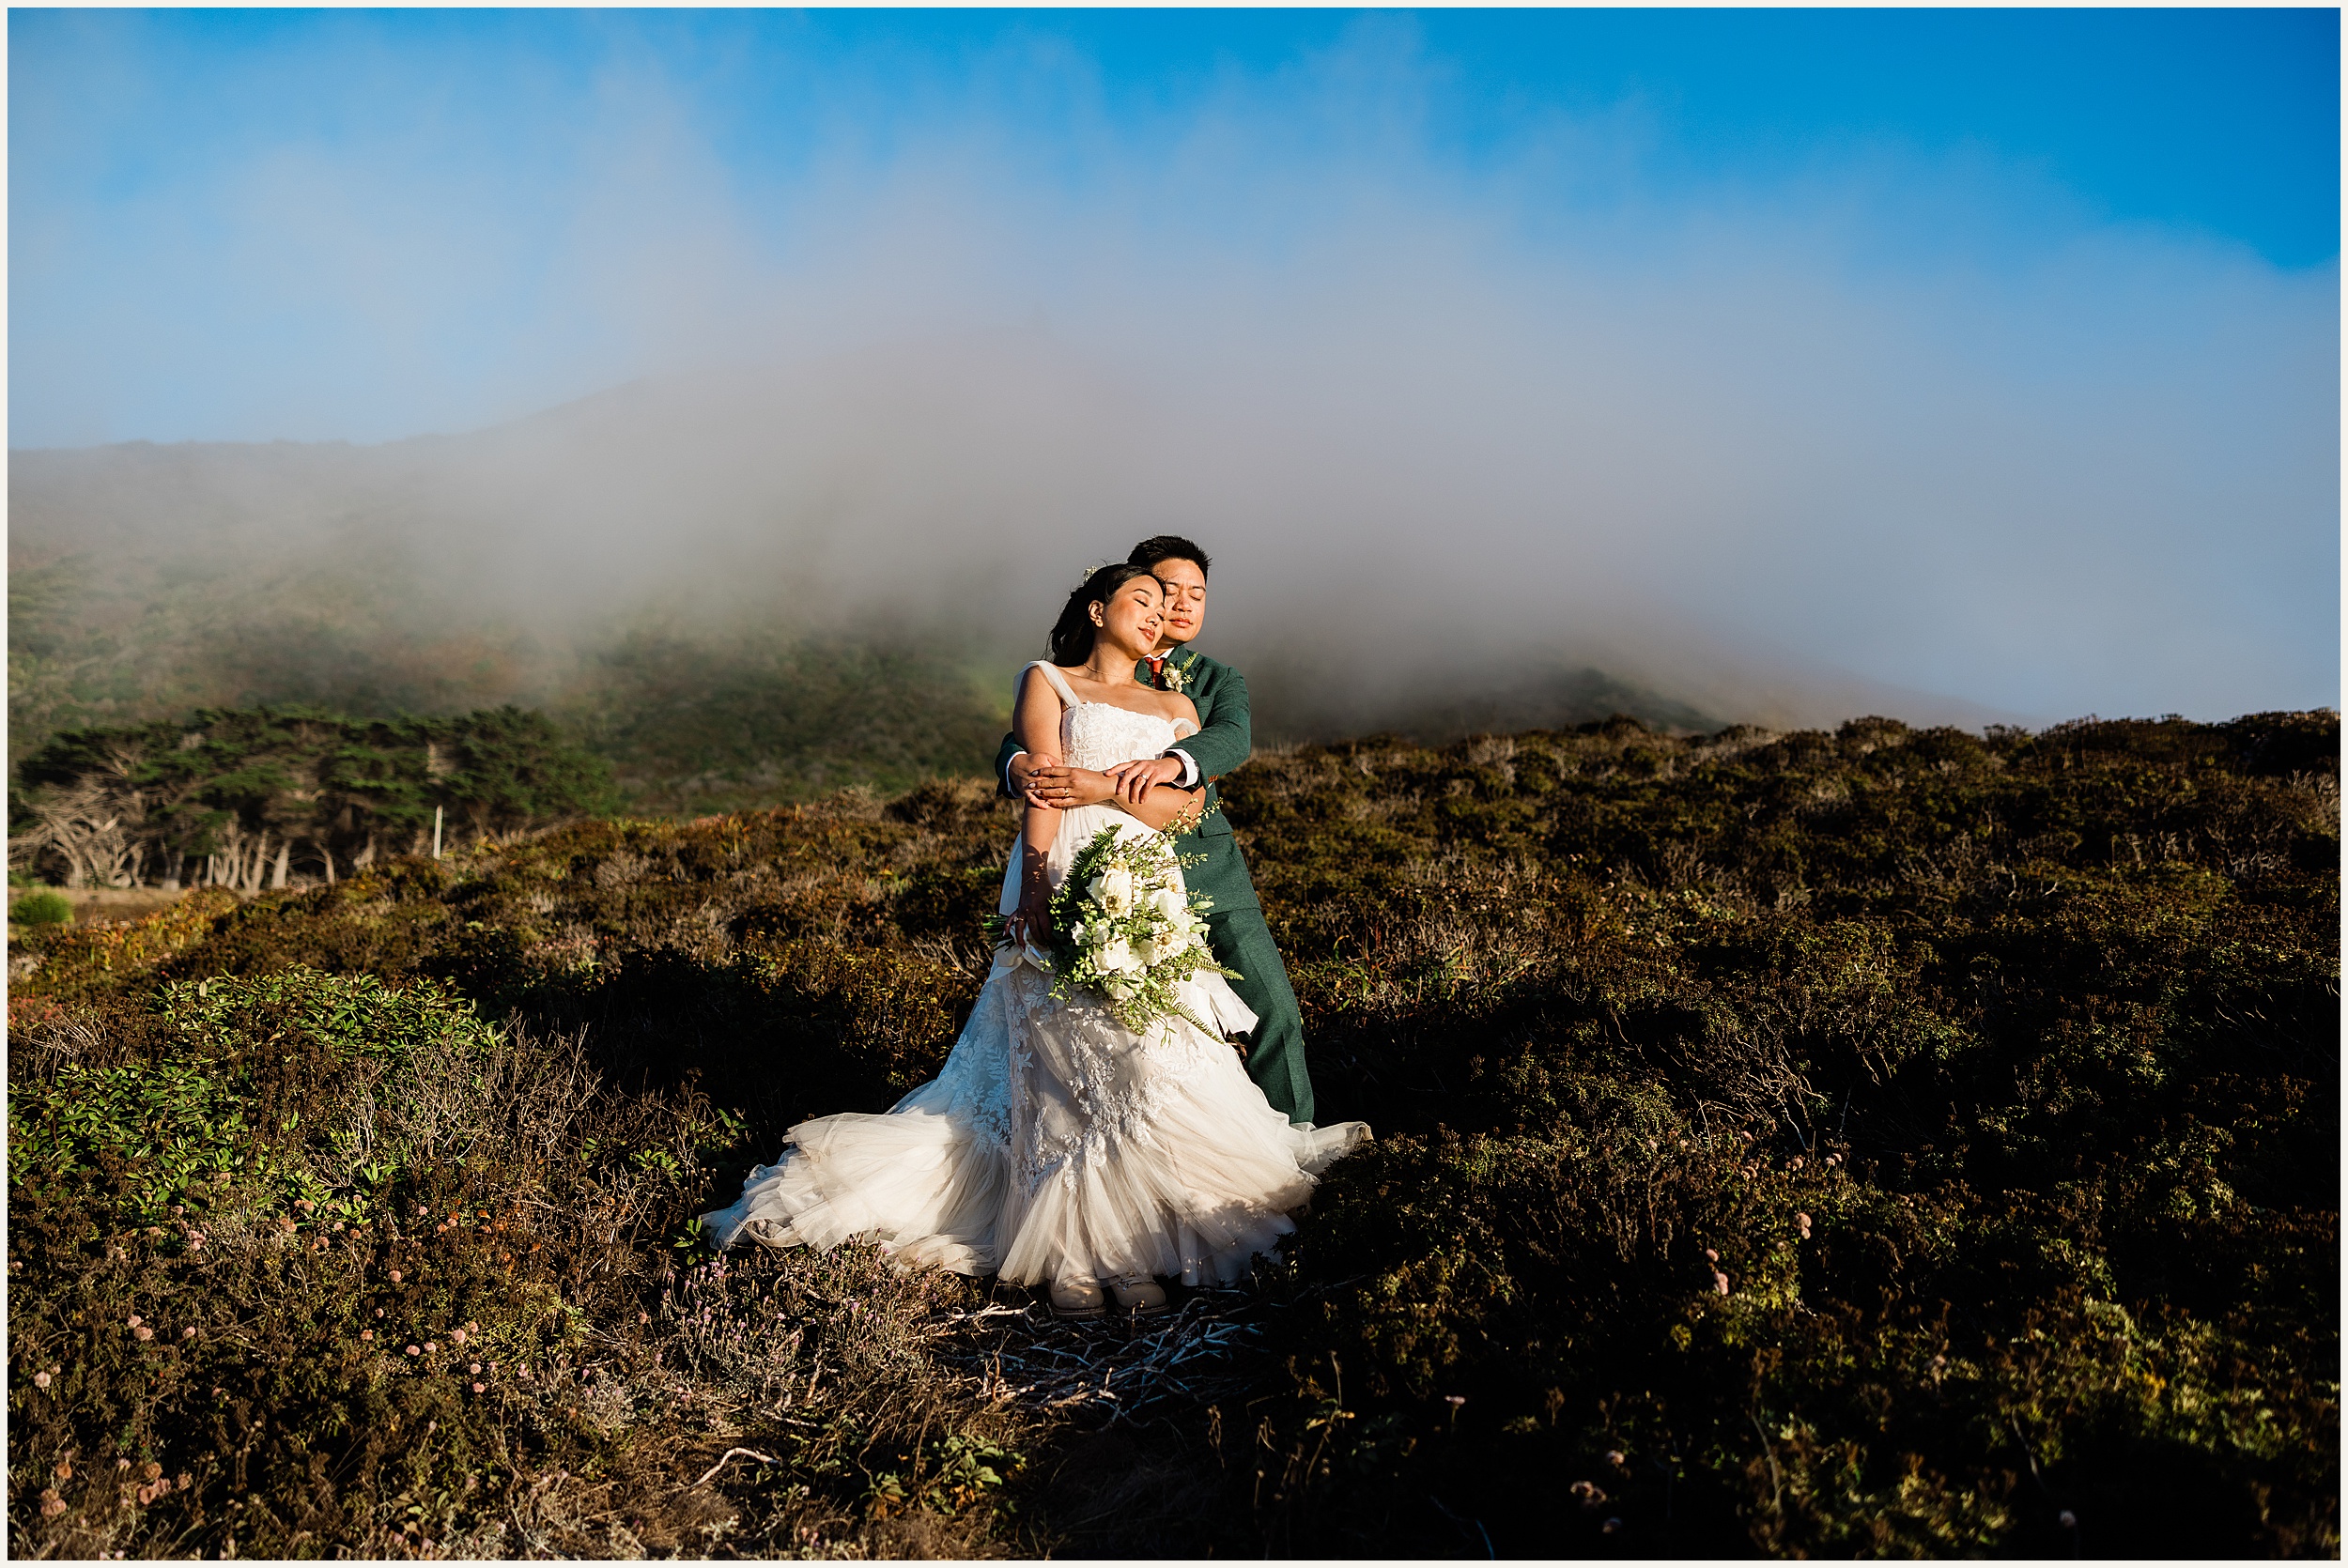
(1190, 767)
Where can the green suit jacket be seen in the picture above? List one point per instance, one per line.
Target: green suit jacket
(1222, 742)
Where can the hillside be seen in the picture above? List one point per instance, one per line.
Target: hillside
(1878, 1141)
(746, 594)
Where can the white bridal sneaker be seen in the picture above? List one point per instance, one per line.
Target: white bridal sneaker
(1077, 1298)
(1138, 1294)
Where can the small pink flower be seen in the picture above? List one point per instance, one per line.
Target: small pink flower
(1795, 1164)
(188, 1333)
(481, 1388)
(52, 1505)
(122, 1464)
(1455, 1400)
(476, 1369)
(1711, 1256)
(413, 1351)
(40, 1379)
(394, 1276)
(366, 1333)
(1720, 1283)
(136, 1320)
(430, 1345)
(144, 1333)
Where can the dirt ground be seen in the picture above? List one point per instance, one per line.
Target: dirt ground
(110, 904)
(118, 903)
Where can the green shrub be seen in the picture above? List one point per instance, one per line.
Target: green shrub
(299, 1259)
(1883, 1141)
(43, 908)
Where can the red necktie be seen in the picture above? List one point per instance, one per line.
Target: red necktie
(1157, 668)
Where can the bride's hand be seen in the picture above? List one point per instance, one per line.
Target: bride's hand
(1062, 787)
(1031, 922)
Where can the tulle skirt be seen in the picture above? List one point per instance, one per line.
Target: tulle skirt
(1057, 1144)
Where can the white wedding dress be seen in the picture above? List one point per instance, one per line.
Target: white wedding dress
(1057, 1144)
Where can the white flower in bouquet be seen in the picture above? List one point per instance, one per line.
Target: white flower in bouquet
(1133, 934)
(1113, 890)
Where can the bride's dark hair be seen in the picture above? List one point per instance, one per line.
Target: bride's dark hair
(1074, 632)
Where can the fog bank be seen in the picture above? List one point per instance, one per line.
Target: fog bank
(1781, 455)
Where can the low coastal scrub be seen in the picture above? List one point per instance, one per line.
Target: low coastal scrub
(1881, 1142)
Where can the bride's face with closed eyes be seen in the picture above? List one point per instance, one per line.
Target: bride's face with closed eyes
(1131, 619)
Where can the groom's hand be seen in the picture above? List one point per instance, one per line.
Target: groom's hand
(1133, 780)
(1020, 775)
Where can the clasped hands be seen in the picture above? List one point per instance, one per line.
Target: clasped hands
(1047, 781)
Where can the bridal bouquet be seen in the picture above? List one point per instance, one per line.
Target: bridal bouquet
(1129, 931)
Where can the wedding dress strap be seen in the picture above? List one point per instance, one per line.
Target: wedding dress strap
(1059, 681)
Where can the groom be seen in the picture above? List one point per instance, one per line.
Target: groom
(1235, 928)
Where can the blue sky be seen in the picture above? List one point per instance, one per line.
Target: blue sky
(150, 154)
(1828, 253)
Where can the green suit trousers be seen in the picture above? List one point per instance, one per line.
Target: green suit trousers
(1275, 1052)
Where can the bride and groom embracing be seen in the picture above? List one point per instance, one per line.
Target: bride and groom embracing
(1059, 1145)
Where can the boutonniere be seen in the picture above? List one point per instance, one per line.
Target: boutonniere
(1174, 677)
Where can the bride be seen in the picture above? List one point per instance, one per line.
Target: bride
(1057, 1146)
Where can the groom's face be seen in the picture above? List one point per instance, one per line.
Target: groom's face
(1185, 588)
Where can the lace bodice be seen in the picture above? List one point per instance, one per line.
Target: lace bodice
(1100, 735)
